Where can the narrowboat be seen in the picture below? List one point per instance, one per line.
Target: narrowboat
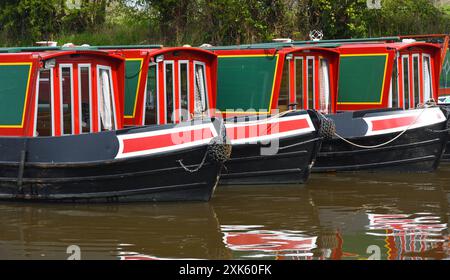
(62, 135)
(182, 82)
(332, 77)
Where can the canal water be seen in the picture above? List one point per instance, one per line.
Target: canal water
(333, 216)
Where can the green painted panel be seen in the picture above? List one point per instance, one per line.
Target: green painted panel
(445, 74)
(13, 81)
(361, 78)
(245, 82)
(132, 74)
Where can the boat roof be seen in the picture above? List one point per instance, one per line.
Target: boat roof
(396, 45)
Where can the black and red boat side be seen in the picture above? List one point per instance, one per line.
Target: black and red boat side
(272, 150)
(130, 165)
(386, 139)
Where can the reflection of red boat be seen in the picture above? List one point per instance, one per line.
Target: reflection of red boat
(409, 236)
(278, 243)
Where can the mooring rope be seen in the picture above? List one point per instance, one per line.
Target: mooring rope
(424, 106)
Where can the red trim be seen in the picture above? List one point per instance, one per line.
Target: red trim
(264, 129)
(56, 101)
(392, 123)
(401, 94)
(411, 82)
(316, 92)
(421, 85)
(161, 97)
(292, 78)
(305, 83)
(164, 140)
(177, 92)
(76, 100)
(94, 101)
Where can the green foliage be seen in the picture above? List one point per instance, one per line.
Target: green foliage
(176, 22)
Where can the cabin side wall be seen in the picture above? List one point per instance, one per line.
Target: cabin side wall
(364, 78)
(18, 73)
(247, 80)
(161, 80)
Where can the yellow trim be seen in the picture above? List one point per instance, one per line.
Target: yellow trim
(26, 93)
(273, 85)
(137, 86)
(274, 74)
(382, 86)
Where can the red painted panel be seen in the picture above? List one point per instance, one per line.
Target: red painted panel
(392, 123)
(264, 129)
(164, 140)
(76, 100)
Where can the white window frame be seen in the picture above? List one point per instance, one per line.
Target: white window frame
(72, 111)
(52, 110)
(415, 55)
(185, 62)
(308, 58)
(392, 80)
(295, 75)
(157, 93)
(89, 66)
(165, 88)
(403, 82)
(108, 68)
(203, 64)
(425, 55)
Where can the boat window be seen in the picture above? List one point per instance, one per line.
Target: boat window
(394, 86)
(105, 99)
(299, 81)
(428, 89)
(66, 86)
(151, 95)
(310, 84)
(416, 80)
(324, 97)
(283, 97)
(169, 91)
(200, 94)
(44, 125)
(184, 90)
(84, 74)
(405, 65)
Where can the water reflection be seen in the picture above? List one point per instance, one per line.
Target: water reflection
(337, 216)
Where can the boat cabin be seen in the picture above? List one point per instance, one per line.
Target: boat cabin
(387, 75)
(257, 79)
(444, 85)
(48, 92)
(166, 85)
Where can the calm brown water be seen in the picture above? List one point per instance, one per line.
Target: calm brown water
(334, 216)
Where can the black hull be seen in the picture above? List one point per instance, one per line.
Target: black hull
(417, 150)
(146, 178)
(290, 165)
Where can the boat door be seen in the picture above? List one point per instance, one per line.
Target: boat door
(306, 83)
(412, 80)
(74, 97)
(178, 89)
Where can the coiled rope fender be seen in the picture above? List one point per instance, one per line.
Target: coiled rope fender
(327, 127)
(424, 107)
